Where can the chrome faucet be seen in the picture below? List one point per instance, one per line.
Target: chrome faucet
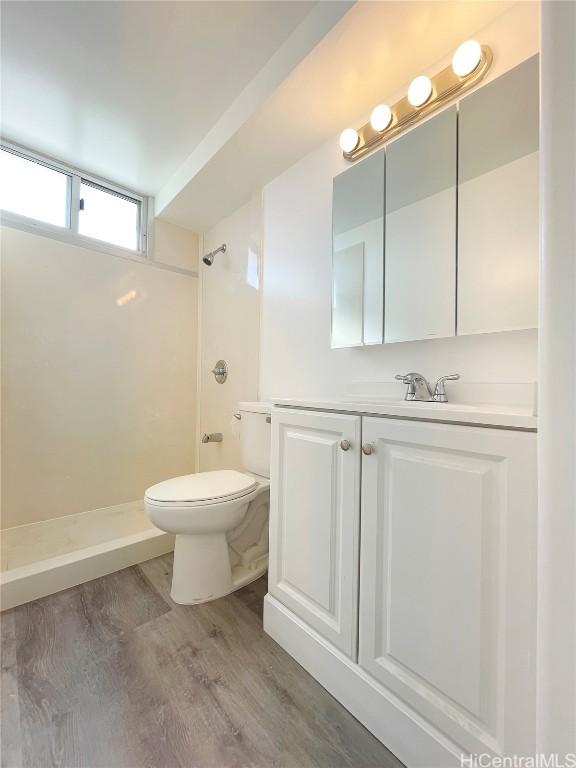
(418, 388)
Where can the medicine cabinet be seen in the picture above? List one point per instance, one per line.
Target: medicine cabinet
(437, 234)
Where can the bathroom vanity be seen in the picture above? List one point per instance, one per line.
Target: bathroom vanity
(402, 567)
(403, 534)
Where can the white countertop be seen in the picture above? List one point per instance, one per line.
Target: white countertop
(519, 414)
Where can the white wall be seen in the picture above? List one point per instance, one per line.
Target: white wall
(557, 421)
(98, 375)
(296, 359)
(230, 326)
(175, 246)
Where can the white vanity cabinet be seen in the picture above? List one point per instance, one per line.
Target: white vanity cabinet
(436, 655)
(314, 521)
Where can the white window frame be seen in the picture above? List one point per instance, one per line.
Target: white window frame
(69, 233)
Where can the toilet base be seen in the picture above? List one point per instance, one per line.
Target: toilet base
(202, 569)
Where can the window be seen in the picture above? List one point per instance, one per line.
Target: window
(33, 190)
(108, 216)
(40, 190)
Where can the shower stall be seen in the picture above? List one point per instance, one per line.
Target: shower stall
(98, 403)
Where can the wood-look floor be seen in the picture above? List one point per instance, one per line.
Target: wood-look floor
(113, 674)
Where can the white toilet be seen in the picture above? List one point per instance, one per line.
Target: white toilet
(220, 518)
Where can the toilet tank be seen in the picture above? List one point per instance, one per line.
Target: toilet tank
(255, 437)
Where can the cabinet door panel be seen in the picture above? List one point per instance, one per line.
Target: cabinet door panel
(447, 610)
(358, 253)
(314, 517)
(420, 253)
(498, 205)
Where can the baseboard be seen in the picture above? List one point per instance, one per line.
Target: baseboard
(411, 738)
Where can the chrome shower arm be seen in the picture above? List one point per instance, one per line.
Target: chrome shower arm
(209, 258)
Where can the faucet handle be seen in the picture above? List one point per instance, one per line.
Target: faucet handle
(439, 390)
(408, 379)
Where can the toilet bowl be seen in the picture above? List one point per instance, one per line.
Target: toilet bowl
(219, 518)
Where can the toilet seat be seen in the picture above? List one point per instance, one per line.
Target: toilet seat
(201, 488)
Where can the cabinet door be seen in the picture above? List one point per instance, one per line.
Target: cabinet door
(420, 253)
(314, 521)
(498, 207)
(447, 577)
(358, 254)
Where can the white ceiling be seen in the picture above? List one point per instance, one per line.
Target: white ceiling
(369, 56)
(126, 90)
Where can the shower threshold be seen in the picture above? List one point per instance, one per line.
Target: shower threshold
(42, 558)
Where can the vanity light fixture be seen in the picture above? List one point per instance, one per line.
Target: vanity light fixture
(381, 117)
(469, 65)
(348, 140)
(420, 91)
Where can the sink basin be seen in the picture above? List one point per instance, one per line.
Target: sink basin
(464, 396)
(472, 407)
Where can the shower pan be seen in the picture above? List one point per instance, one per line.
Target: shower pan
(39, 559)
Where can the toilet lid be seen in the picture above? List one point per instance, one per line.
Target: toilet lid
(202, 486)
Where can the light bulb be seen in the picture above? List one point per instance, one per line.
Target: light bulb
(466, 58)
(349, 140)
(419, 91)
(381, 117)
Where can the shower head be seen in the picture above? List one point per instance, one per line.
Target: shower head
(209, 258)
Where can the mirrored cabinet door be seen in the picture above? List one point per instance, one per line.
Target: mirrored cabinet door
(420, 261)
(498, 204)
(358, 254)
(347, 296)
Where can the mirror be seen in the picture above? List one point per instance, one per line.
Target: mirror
(347, 296)
(358, 254)
(420, 260)
(498, 214)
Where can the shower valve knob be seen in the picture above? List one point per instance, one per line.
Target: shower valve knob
(220, 371)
